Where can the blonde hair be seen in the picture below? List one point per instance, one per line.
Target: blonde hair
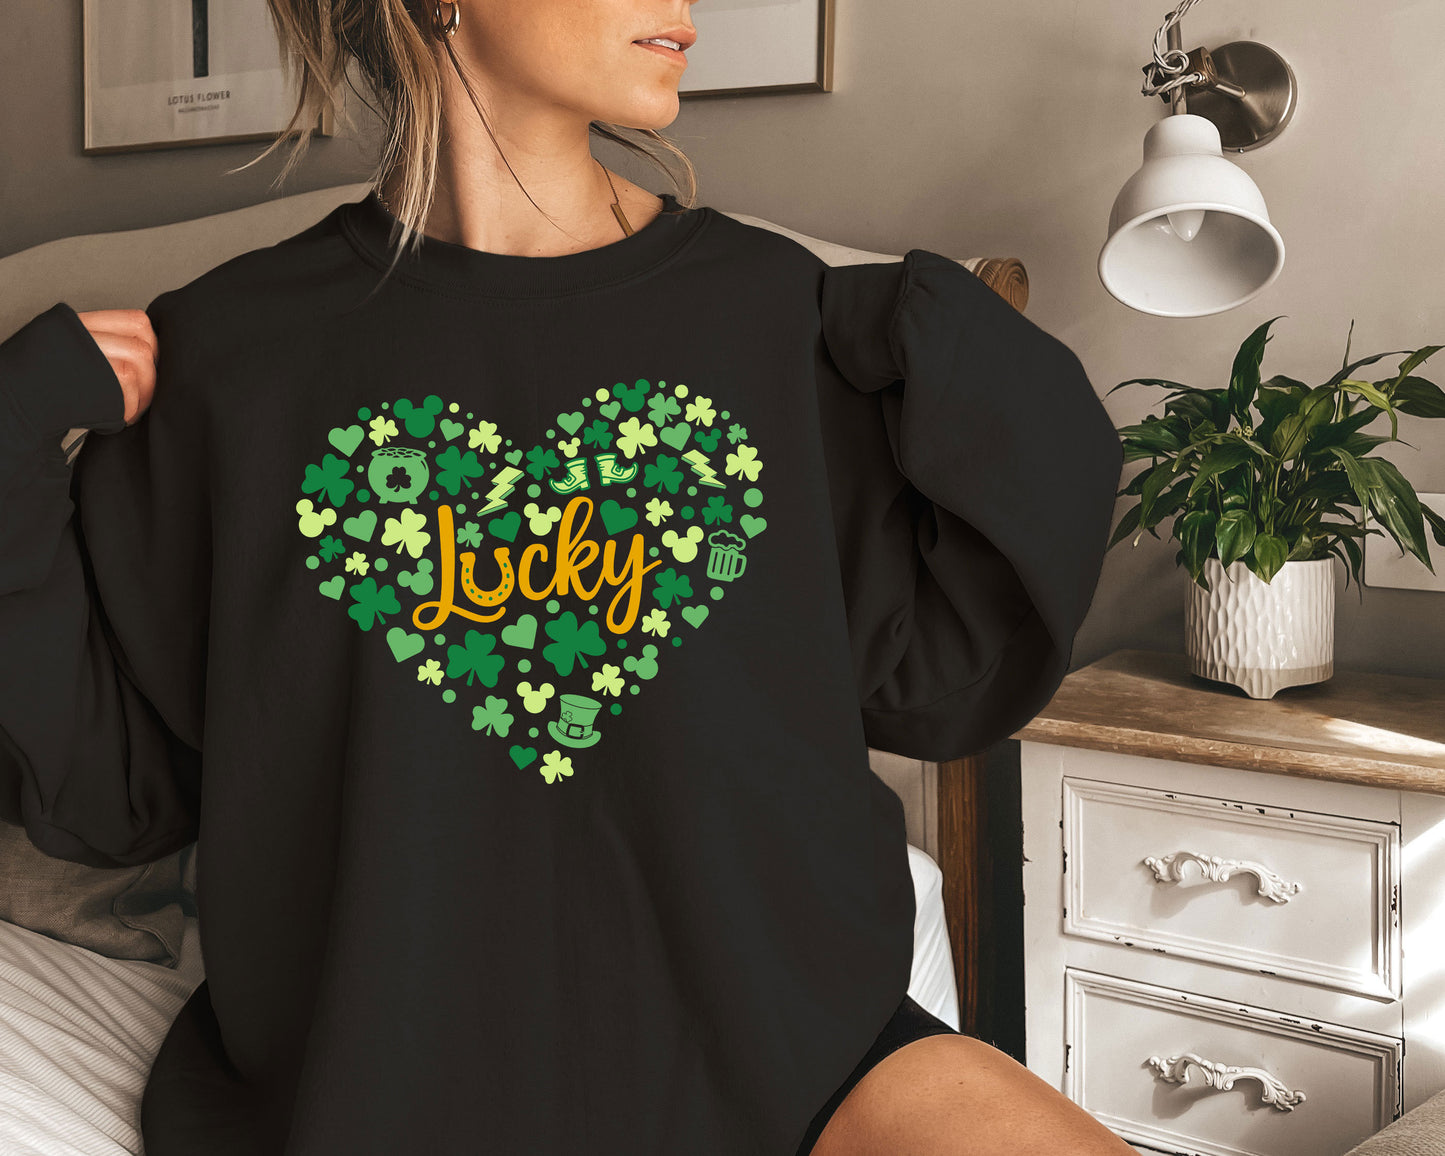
(392, 42)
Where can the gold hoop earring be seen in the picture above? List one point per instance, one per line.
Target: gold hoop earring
(450, 27)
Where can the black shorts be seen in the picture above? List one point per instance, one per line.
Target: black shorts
(910, 1022)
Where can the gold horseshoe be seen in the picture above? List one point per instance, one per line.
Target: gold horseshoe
(482, 597)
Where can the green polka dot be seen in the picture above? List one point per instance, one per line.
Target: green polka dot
(716, 592)
(632, 491)
(622, 644)
(524, 665)
(724, 415)
(591, 608)
(379, 564)
(434, 495)
(686, 511)
(753, 496)
(634, 688)
(313, 561)
(552, 605)
(533, 732)
(431, 445)
(454, 407)
(586, 401)
(363, 495)
(449, 695)
(440, 640)
(363, 413)
(677, 642)
(385, 405)
(692, 491)
(680, 390)
(616, 708)
(361, 469)
(653, 551)
(533, 490)
(469, 415)
(461, 507)
(474, 493)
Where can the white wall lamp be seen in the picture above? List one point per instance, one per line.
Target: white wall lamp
(1189, 234)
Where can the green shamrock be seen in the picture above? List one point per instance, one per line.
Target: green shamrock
(572, 640)
(663, 408)
(599, 433)
(330, 547)
(456, 470)
(541, 460)
(469, 534)
(475, 659)
(662, 474)
(670, 586)
(329, 480)
(717, 511)
(372, 603)
(736, 433)
(493, 718)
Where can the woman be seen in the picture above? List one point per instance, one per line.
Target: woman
(567, 842)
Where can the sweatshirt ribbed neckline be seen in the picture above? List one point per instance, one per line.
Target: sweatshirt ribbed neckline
(459, 269)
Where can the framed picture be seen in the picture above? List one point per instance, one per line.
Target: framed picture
(170, 73)
(759, 46)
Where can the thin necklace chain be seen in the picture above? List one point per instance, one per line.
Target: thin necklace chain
(616, 204)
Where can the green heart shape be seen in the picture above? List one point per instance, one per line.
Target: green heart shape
(522, 633)
(514, 639)
(362, 526)
(346, 440)
(676, 435)
(571, 422)
(506, 526)
(617, 519)
(404, 644)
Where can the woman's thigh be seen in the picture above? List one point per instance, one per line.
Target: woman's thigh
(953, 1095)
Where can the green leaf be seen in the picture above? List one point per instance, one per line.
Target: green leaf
(1155, 381)
(1220, 458)
(1244, 376)
(1233, 536)
(1397, 506)
(1270, 552)
(1367, 390)
(1420, 398)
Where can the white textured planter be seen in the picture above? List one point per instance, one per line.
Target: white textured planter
(1263, 636)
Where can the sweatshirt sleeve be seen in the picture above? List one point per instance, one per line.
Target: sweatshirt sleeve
(104, 584)
(972, 471)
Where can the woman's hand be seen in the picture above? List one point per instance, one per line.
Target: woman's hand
(126, 338)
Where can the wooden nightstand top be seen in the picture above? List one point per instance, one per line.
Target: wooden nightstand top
(1382, 730)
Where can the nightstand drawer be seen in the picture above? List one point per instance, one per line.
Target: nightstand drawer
(1198, 1075)
(1299, 894)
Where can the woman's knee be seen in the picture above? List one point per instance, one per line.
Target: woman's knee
(951, 1095)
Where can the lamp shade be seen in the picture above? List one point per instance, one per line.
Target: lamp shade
(1189, 234)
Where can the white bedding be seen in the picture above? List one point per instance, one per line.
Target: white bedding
(78, 1031)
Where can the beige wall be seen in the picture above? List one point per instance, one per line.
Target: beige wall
(976, 128)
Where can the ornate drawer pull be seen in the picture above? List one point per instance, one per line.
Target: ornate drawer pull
(1222, 1076)
(1170, 869)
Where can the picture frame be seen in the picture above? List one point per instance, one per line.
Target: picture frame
(756, 47)
(172, 73)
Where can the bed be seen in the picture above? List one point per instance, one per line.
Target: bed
(79, 1029)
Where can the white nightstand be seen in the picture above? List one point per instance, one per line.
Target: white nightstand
(1234, 909)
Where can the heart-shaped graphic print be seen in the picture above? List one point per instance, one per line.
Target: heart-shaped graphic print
(536, 586)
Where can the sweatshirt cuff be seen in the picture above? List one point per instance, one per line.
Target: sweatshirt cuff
(57, 377)
(859, 304)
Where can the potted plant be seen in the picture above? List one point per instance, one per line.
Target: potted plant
(1250, 494)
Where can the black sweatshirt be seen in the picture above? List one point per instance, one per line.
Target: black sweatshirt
(512, 640)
